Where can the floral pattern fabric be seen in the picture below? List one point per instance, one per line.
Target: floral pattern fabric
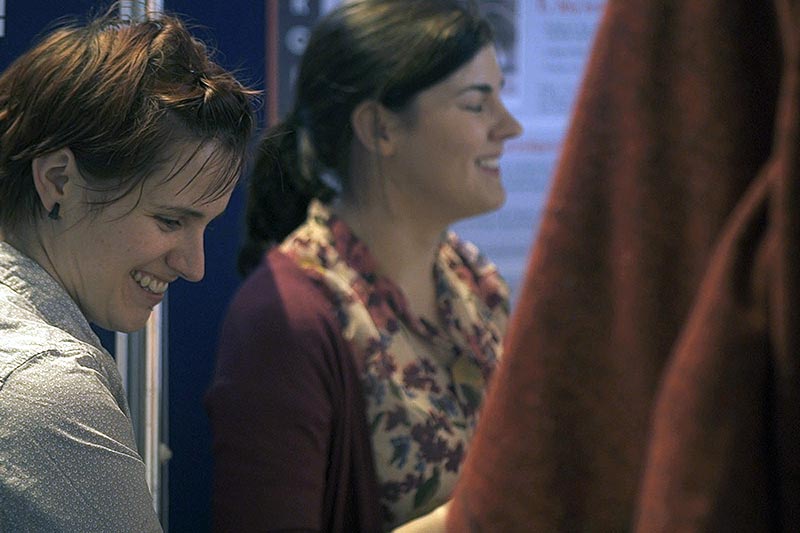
(423, 386)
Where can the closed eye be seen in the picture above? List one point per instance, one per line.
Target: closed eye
(168, 224)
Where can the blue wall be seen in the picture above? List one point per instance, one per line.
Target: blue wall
(24, 22)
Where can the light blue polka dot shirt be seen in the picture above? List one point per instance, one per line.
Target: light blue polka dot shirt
(68, 458)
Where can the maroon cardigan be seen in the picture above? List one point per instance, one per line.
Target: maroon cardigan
(291, 445)
(651, 377)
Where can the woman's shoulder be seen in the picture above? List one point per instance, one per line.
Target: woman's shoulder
(280, 283)
(30, 342)
(279, 323)
(282, 299)
(47, 379)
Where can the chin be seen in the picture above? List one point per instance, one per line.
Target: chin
(494, 202)
(500, 202)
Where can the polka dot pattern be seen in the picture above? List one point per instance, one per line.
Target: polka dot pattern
(68, 457)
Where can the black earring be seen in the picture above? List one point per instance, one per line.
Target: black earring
(53, 214)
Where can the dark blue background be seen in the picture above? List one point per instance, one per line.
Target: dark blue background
(26, 20)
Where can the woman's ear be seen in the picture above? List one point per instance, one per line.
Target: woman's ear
(51, 174)
(375, 127)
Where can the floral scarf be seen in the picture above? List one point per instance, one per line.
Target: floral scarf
(422, 386)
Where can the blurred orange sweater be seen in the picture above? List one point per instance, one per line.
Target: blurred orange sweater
(651, 380)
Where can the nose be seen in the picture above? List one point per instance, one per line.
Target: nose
(507, 127)
(188, 258)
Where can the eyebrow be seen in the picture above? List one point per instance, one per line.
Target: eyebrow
(484, 88)
(184, 212)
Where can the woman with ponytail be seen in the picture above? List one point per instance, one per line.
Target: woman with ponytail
(354, 358)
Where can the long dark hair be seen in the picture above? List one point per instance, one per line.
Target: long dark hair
(387, 50)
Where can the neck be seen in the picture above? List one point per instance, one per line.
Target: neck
(403, 247)
(30, 243)
(21, 240)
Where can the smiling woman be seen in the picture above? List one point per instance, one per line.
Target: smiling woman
(117, 263)
(355, 356)
(454, 131)
(119, 143)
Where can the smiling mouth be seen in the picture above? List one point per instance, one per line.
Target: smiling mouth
(489, 163)
(150, 283)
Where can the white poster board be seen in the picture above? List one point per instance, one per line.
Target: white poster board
(548, 43)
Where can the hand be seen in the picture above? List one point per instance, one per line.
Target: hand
(433, 522)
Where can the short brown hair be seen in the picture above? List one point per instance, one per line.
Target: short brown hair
(117, 93)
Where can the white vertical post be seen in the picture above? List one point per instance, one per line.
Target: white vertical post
(140, 9)
(141, 355)
(140, 359)
(2, 18)
(152, 402)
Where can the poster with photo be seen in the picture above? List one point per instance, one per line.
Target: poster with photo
(562, 32)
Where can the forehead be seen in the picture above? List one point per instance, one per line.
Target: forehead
(190, 172)
(483, 69)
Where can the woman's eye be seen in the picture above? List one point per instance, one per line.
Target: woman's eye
(475, 108)
(168, 223)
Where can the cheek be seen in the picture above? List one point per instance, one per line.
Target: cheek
(448, 152)
(127, 245)
(464, 142)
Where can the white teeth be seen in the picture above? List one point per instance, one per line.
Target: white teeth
(150, 283)
(492, 163)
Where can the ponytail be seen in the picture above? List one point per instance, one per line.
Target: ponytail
(285, 178)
